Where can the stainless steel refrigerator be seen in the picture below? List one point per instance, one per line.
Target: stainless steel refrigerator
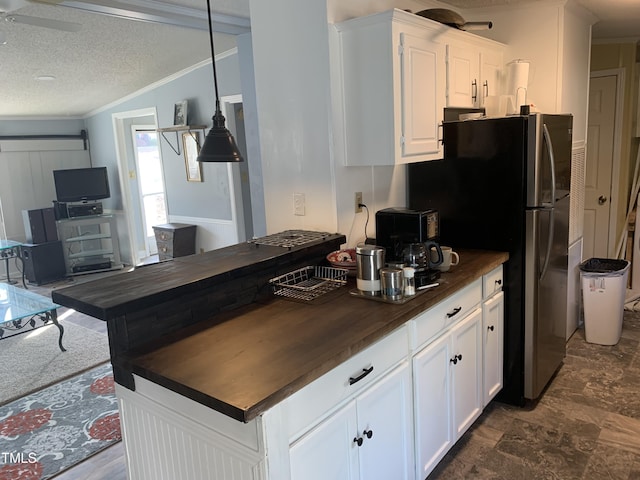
(504, 184)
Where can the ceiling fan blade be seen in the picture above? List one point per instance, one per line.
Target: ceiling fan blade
(12, 5)
(44, 22)
(47, 2)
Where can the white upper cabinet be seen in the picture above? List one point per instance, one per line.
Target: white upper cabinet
(392, 88)
(474, 72)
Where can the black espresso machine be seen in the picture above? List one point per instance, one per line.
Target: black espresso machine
(399, 229)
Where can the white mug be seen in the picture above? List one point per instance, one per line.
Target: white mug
(449, 258)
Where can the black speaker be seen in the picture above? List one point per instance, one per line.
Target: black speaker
(43, 263)
(60, 210)
(40, 225)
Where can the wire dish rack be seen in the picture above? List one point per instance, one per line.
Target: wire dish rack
(308, 283)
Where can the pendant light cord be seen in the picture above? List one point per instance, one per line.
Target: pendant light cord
(213, 58)
(219, 144)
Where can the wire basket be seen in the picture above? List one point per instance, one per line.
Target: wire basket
(308, 283)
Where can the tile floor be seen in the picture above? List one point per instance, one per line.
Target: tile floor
(586, 426)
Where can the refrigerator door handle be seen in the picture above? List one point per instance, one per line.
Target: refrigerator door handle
(552, 166)
(550, 236)
(552, 161)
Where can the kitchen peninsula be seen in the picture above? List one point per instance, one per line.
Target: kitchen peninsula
(262, 387)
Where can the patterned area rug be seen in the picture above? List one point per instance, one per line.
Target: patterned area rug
(53, 429)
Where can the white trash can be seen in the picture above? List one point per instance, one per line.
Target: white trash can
(604, 283)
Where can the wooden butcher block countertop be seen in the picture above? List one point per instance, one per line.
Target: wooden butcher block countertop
(256, 356)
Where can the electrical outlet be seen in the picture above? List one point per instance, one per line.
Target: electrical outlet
(358, 202)
(298, 204)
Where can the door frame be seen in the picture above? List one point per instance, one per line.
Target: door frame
(617, 148)
(233, 170)
(119, 134)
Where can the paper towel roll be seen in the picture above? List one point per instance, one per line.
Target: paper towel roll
(518, 81)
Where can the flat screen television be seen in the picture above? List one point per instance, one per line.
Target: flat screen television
(81, 184)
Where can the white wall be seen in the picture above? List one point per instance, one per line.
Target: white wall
(576, 62)
(300, 146)
(291, 64)
(207, 204)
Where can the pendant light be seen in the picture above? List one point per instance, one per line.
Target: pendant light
(219, 145)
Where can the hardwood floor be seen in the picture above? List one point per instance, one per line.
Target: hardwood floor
(109, 464)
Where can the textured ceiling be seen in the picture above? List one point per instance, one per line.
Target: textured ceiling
(108, 59)
(112, 57)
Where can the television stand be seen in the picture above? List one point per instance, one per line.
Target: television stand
(90, 244)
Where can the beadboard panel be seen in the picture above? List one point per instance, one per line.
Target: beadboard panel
(169, 446)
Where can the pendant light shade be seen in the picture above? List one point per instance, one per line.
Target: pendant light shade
(219, 145)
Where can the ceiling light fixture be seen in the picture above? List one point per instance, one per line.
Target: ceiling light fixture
(219, 145)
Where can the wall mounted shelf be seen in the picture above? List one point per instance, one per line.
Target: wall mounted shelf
(181, 128)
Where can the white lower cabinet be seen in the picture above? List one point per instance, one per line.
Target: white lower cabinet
(432, 404)
(493, 333)
(368, 438)
(327, 451)
(391, 411)
(447, 390)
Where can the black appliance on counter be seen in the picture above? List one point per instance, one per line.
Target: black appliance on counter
(397, 228)
(504, 185)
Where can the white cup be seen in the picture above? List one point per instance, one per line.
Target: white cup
(449, 258)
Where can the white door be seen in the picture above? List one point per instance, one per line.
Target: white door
(384, 424)
(150, 183)
(328, 451)
(432, 400)
(490, 70)
(492, 327)
(462, 77)
(600, 158)
(466, 372)
(422, 107)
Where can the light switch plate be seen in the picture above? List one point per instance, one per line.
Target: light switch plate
(298, 204)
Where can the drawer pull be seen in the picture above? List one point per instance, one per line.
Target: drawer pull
(490, 327)
(454, 312)
(498, 282)
(368, 433)
(358, 440)
(365, 372)
(456, 359)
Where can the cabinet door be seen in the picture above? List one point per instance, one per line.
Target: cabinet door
(466, 372)
(492, 326)
(384, 415)
(432, 404)
(463, 77)
(328, 451)
(490, 68)
(422, 101)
